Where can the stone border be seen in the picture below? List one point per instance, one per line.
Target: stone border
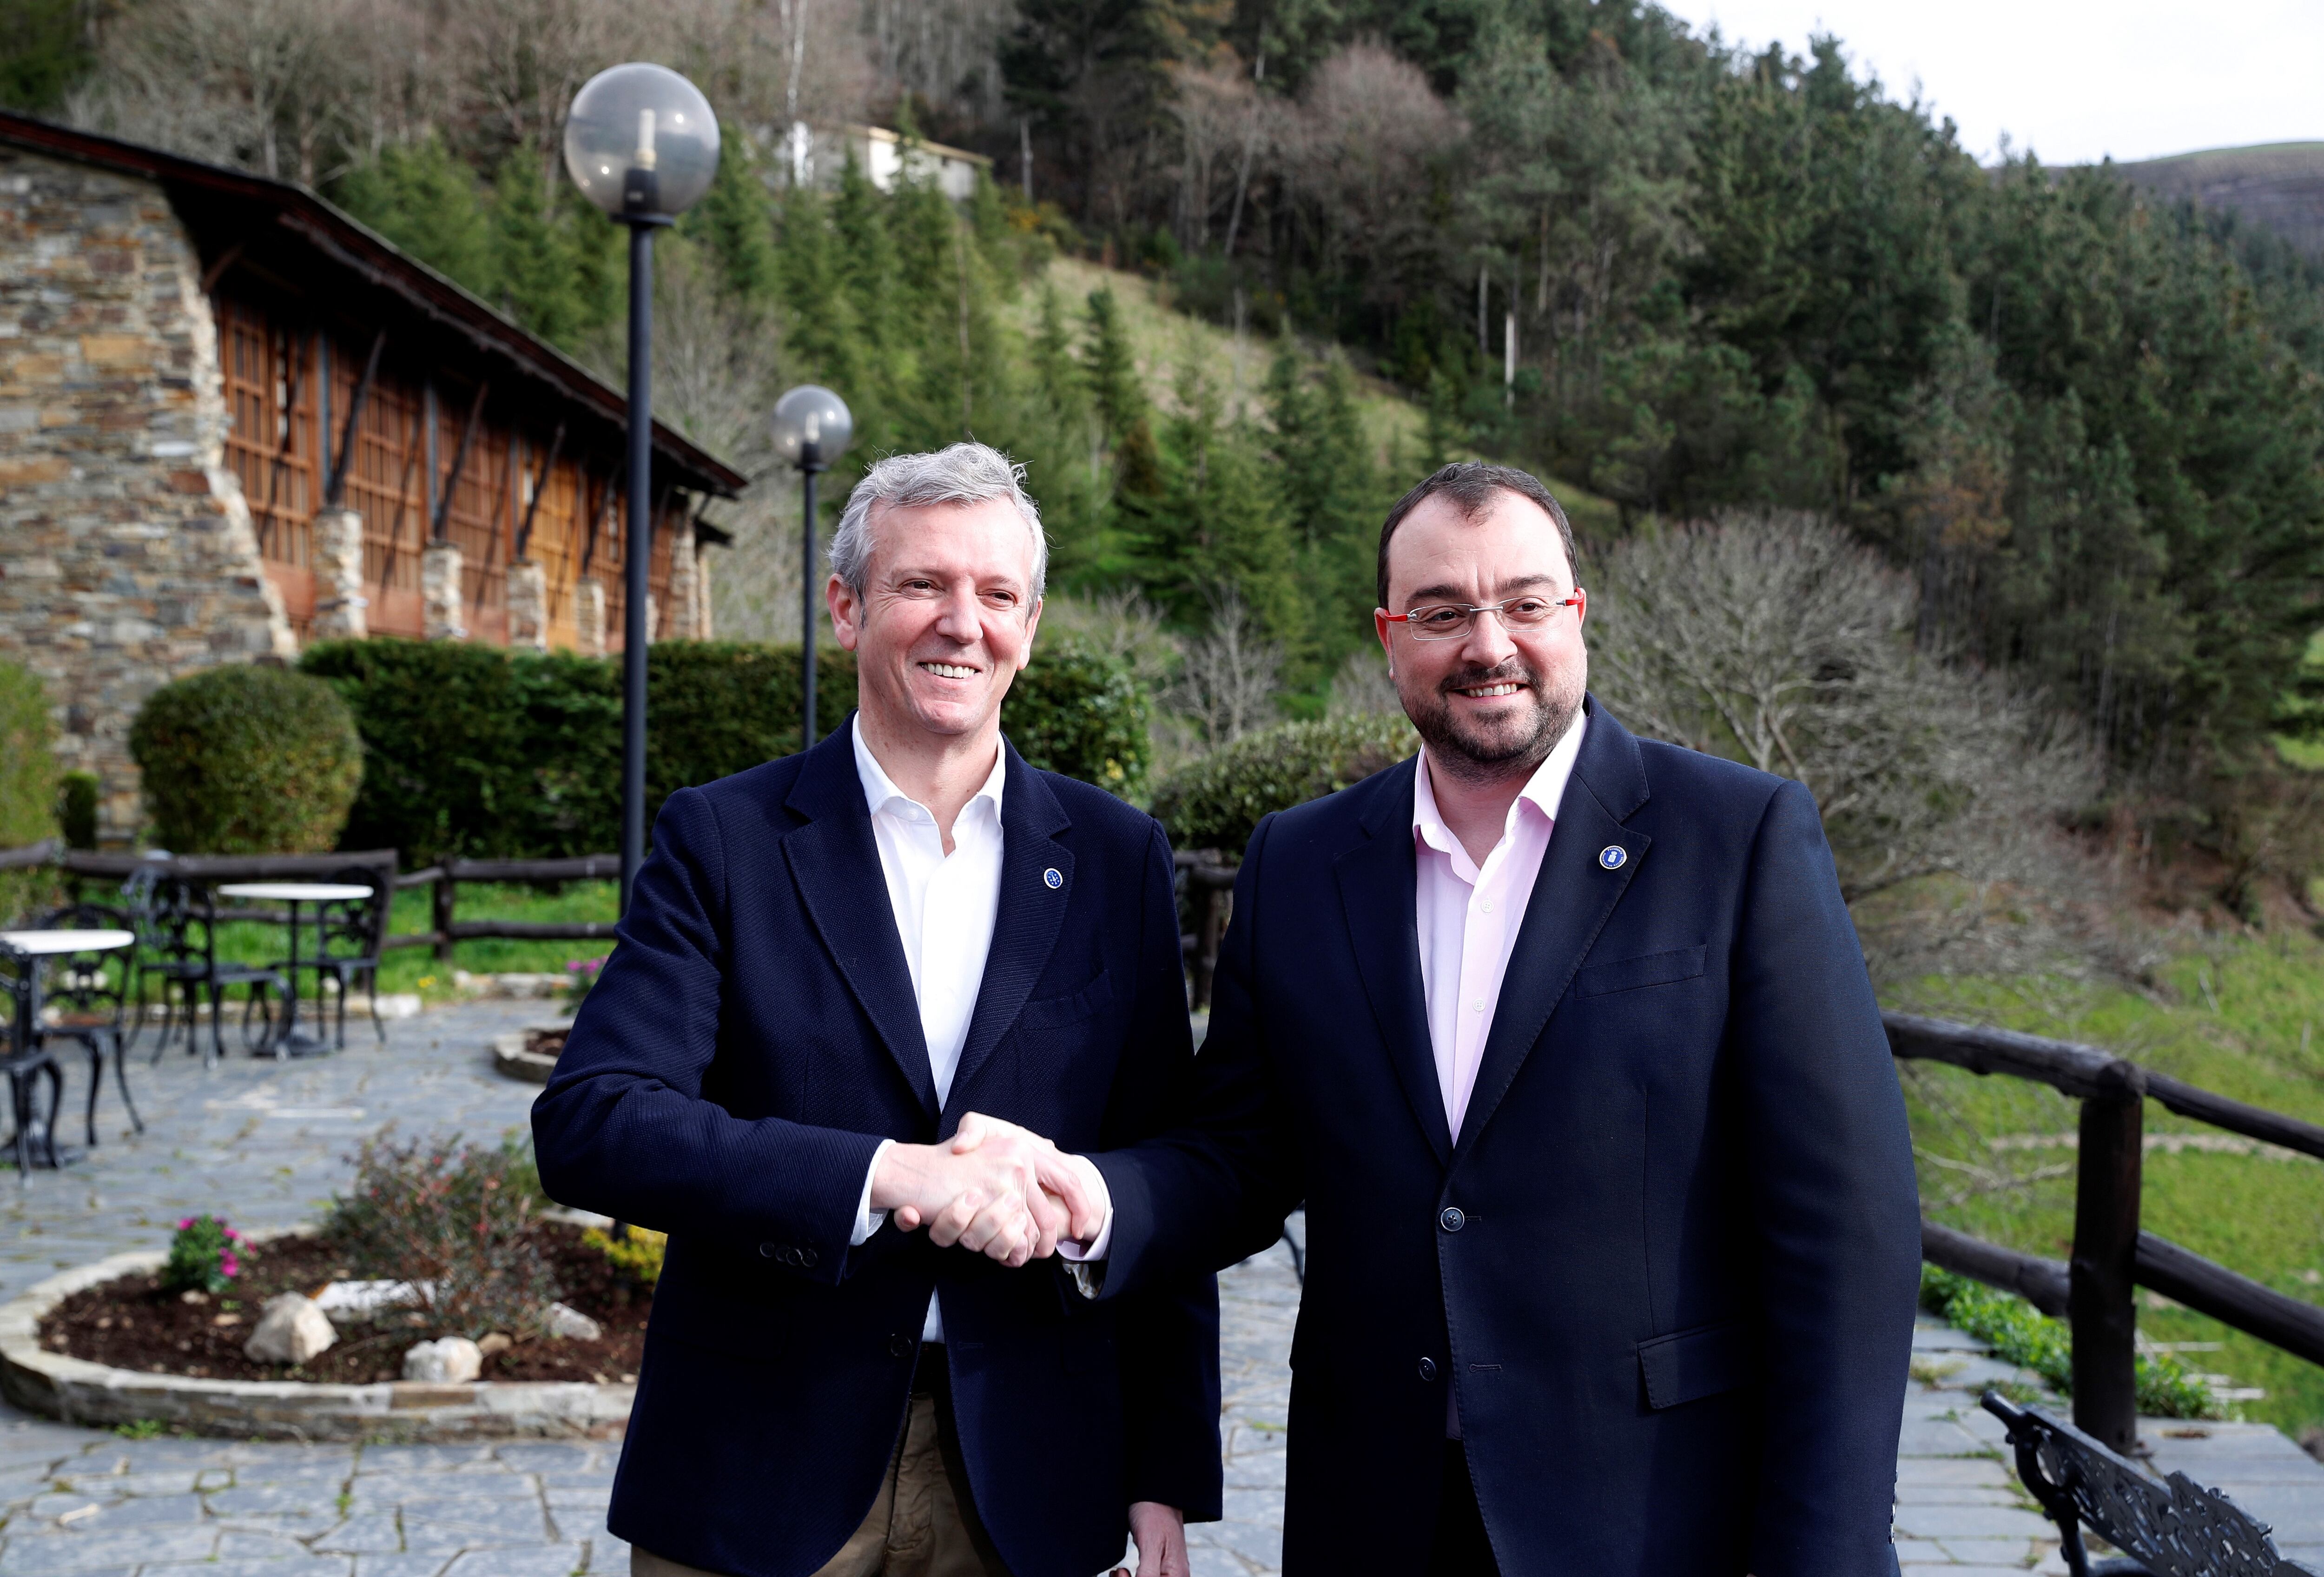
(511, 1058)
(78, 1391)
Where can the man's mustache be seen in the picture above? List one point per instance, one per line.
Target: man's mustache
(1500, 673)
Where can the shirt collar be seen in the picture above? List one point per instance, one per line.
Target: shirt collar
(1544, 790)
(880, 790)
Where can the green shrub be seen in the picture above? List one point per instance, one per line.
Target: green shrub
(2021, 1334)
(77, 809)
(248, 758)
(28, 789)
(205, 1255)
(473, 752)
(1083, 714)
(455, 1221)
(1215, 803)
(28, 762)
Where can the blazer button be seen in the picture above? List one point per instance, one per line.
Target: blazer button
(769, 1251)
(1452, 1219)
(806, 1258)
(1428, 1368)
(899, 1347)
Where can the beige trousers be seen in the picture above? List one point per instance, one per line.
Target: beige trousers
(923, 1524)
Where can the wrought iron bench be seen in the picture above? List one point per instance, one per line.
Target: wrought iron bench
(2174, 1528)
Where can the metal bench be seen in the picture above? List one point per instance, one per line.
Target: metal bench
(2174, 1528)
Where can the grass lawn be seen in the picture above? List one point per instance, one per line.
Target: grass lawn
(2242, 1018)
(418, 969)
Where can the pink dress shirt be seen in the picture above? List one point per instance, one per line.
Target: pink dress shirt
(1468, 914)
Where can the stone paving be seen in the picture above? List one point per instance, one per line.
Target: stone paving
(266, 1144)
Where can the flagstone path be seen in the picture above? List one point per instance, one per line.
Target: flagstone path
(265, 1144)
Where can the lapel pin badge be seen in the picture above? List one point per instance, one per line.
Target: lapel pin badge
(1612, 856)
(1054, 877)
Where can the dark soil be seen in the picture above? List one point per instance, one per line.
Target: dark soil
(132, 1322)
(545, 1043)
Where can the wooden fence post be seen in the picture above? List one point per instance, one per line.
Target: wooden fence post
(446, 889)
(2106, 1253)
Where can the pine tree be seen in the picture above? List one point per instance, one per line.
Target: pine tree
(533, 262)
(818, 319)
(425, 201)
(736, 220)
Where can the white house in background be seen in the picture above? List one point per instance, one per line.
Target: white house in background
(817, 153)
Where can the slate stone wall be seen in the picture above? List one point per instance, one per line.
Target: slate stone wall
(127, 556)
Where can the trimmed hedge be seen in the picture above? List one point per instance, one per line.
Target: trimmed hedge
(473, 752)
(1215, 803)
(1083, 714)
(248, 758)
(77, 809)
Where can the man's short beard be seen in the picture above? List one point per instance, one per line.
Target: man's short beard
(1515, 750)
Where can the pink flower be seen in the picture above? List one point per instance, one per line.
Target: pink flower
(185, 1223)
(228, 1264)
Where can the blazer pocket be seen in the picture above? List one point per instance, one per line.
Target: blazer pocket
(1056, 1012)
(1687, 1366)
(1627, 974)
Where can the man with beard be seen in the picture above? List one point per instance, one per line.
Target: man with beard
(1564, 1038)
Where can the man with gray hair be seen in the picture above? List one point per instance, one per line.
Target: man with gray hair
(839, 969)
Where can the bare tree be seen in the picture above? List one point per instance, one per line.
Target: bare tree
(1214, 106)
(1361, 148)
(1228, 685)
(1779, 641)
(718, 369)
(1362, 686)
(262, 83)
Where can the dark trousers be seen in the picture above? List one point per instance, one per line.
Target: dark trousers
(1461, 1548)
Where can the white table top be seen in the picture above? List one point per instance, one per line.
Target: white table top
(295, 891)
(65, 941)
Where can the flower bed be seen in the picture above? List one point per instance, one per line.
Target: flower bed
(530, 1054)
(135, 1321)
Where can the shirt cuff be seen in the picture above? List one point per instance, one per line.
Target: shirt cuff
(869, 1220)
(1094, 1181)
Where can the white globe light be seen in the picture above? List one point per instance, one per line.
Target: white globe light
(812, 414)
(640, 142)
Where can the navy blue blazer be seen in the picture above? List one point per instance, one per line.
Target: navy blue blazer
(752, 1040)
(1669, 1270)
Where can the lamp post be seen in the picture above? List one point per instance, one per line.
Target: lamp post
(640, 143)
(812, 429)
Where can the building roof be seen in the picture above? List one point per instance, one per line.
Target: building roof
(237, 218)
(933, 150)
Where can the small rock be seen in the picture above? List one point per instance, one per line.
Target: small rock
(573, 1324)
(193, 1294)
(450, 1361)
(292, 1330)
(498, 1341)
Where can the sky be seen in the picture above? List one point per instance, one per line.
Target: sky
(2074, 80)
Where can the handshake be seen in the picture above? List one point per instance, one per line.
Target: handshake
(995, 1189)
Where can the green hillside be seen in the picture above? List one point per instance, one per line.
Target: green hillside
(2277, 185)
(1165, 341)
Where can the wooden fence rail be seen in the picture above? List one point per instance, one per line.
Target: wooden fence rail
(2111, 1253)
(444, 930)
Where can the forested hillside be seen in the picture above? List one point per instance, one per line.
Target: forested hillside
(2086, 422)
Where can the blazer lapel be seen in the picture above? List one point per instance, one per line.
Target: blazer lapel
(836, 866)
(1025, 925)
(1573, 896)
(1378, 887)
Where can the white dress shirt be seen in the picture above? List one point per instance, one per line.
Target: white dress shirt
(944, 906)
(1468, 914)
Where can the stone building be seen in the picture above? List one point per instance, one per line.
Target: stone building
(234, 420)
